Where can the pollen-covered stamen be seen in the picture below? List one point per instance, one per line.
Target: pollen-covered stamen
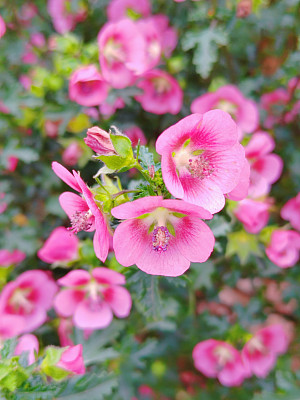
(80, 221)
(160, 238)
(200, 167)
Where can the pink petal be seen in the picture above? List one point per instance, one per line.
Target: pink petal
(101, 239)
(169, 171)
(186, 208)
(136, 208)
(203, 357)
(67, 300)
(269, 166)
(71, 203)
(119, 300)
(106, 275)
(65, 176)
(240, 191)
(77, 277)
(88, 317)
(261, 143)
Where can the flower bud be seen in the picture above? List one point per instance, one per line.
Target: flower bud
(99, 141)
(71, 360)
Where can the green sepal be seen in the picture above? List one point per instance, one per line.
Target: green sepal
(12, 374)
(122, 145)
(171, 228)
(48, 366)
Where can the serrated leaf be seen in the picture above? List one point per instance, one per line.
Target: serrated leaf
(242, 244)
(145, 157)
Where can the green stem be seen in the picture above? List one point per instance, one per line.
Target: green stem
(114, 196)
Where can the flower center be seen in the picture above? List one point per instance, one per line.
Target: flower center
(87, 87)
(200, 167)
(19, 301)
(227, 106)
(161, 85)
(80, 221)
(223, 355)
(160, 239)
(113, 52)
(256, 344)
(154, 49)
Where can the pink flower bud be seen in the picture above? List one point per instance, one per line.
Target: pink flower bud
(99, 141)
(72, 360)
(151, 171)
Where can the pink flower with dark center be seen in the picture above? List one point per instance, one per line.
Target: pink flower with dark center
(161, 93)
(28, 343)
(8, 258)
(201, 158)
(63, 18)
(274, 103)
(92, 298)
(87, 87)
(84, 213)
(162, 237)
(265, 166)
(71, 360)
(72, 154)
(229, 98)
(122, 49)
(2, 27)
(60, 247)
(291, 212)
(217, 359)
(119, 9)
(260, 353)
(29, 297)
(254, 215)
(284, 247)
(135, 134)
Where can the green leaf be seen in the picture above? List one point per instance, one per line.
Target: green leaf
(242, 244)
(8, 348)
(145, 157)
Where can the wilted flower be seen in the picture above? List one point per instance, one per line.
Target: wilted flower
(217, 359)
(87, 87)
(162, 237)
(91, 299)
(260, 352)
(201, 158)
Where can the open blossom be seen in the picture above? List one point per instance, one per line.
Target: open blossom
(201, 158)
(167, 34)
(62, 18)
(2, 27)
(122, 50)
(8, 258)
(92, 298)
(119, 9)
(71, 360)
(274, 103)
(217, 359)
(291, 212)
(254, 215)
(153, 47)
(162, 237)
(99, 141)
(87, 87)
(260, 352)
(284, 248)
(229, 98)
(28, 343)
(161, 93)
(266, 167)
(84, 213)
(29, 297)
(61, 246)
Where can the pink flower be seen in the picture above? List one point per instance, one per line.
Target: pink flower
(2, 27)
(87, 87)
(217, 359)
(153, 47)
(83, 212)
(64, 20)
(26, 13)
(119, 9)
(37, 39)
(29, 297)
(265, 167)
(291, 212)
(274, 104)
(161, 93)
(25, 81)
(254, 215)
(10, 326)
(201, 158)
(72, 154)
(99, 141)
(108, 109)
(240, 191)
(28, 343)
(60, 247)
(8, 258)
(3, 108)
(72, 360)
(283, 249)
(91, 299)
(260, 352)
(122, 51)
(135, 134)
(229, 98)
(12, 163)
(52, 128)
(64, 330)
(167, 34)
(29, 57)
(162, 237)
